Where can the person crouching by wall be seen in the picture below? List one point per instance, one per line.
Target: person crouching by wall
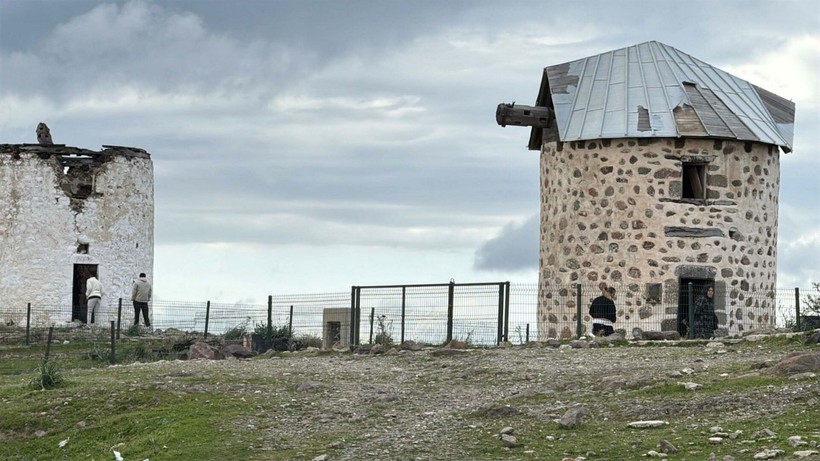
(140, 295)
(602, 311)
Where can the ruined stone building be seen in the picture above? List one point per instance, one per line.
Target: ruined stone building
(67, 213)
(657, 169)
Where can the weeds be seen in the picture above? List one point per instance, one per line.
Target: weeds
(236, 332)
(384, 332)
(47, 376)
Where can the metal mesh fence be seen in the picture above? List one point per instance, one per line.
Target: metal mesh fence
(420, 313)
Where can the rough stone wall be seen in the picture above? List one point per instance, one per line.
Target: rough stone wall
(47, 211)
(611, 211)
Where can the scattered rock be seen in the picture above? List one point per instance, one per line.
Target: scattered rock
(691, 386)
(237, 351)
(456, 344)
(40, 433)
(508, 440)
(410, 345)
(798, 362)
(768, 454)
(377, 349)
(667, 447)
(647, 424)
(573, 417)
(813, 338)
(715, 440)
(655, 454)
(764, 434)
(796, 441)
(202, 350)
(506, 430)
(661, 335)
(321, 458)
(806, 453)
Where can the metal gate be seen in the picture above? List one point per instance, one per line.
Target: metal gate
(434, 313)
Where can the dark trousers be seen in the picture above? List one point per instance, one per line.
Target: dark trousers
(140, 306)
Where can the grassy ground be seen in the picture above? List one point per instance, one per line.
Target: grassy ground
(413, 406)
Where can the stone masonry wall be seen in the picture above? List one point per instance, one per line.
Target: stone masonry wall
(43, 225)
(611, 211)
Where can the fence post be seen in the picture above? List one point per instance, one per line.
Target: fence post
(579, 324)
(450, 294)
(507, 311)
(207, 317)
(528, 334)
(500, 333)
(372, 314)
(690, 330)
(119, 317)
(352, 314)
(797, 307)
(358, 314)
(113, 345)
(403, 306)
(290, 320)
(270, 320)
(48, 343)
(28, 323)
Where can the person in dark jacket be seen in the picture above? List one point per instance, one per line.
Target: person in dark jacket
(602, 311)
(705, 318)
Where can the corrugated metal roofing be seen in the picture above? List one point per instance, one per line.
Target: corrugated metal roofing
(654, 90)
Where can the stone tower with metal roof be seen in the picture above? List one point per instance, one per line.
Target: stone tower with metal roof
(68, 213)
(657, 170)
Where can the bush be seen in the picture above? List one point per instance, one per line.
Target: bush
(307, 340)
(281, 338)
(47, 376)
(384, 331)
(236, 332)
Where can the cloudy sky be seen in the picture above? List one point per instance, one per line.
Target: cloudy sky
(307, 146)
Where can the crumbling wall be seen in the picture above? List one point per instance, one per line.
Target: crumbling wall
(64, 206)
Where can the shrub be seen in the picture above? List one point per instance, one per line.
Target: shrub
(236, 332)
(48, 376)
(133, 330)
(384, 331)
(281, 338)
(308, 340)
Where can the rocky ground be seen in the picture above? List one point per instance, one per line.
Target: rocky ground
(449, 404)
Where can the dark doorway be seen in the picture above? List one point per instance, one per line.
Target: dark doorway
(683, 300)
(79, 305)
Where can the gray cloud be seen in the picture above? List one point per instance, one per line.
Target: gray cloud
(516, 248)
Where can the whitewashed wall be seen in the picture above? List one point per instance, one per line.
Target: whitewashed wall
(42, 227)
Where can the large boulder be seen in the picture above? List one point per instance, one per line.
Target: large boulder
(798, 362)
(237, 351)
(202, 350)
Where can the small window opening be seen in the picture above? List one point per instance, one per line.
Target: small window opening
(82, 249)
(694, 180)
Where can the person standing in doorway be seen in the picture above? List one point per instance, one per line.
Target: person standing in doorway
(93, 294)
(705, 318)
(140, 295)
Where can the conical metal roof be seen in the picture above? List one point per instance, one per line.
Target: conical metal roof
(654, 90)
